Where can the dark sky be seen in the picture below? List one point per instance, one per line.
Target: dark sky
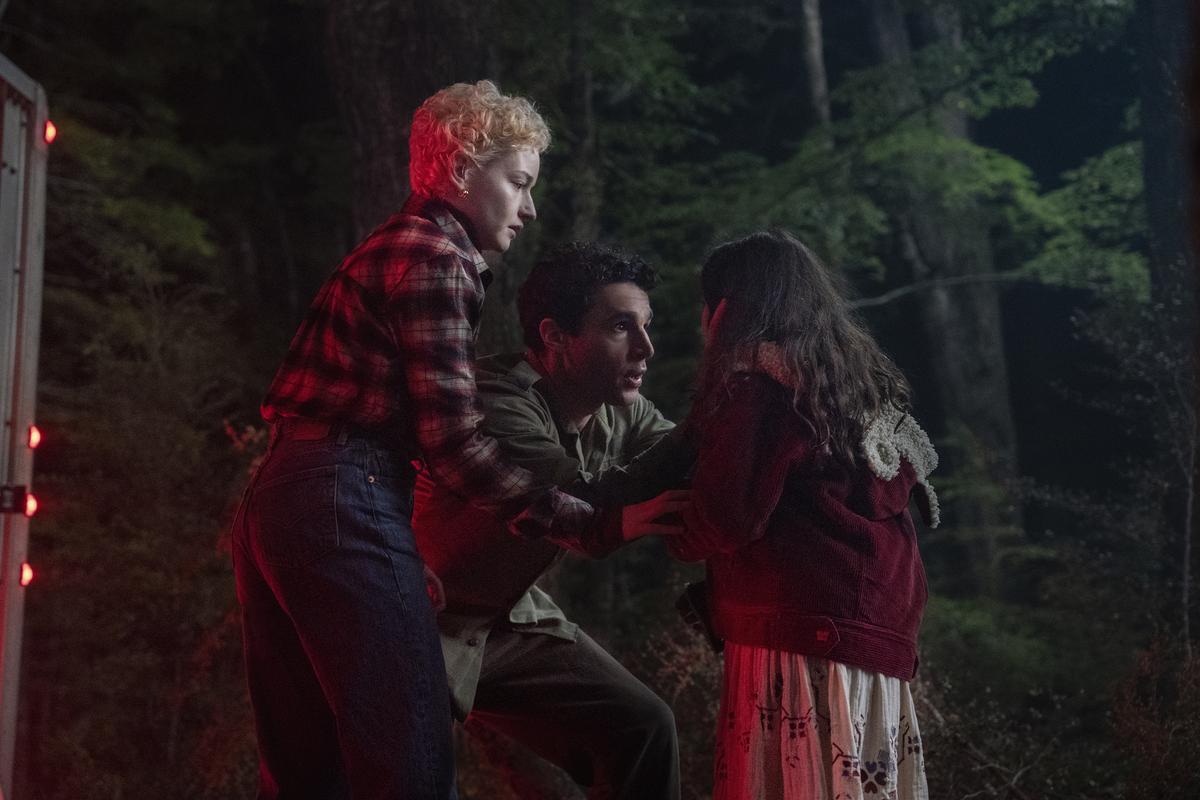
(1081, 110)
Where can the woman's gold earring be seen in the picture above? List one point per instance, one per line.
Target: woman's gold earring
(463, 192)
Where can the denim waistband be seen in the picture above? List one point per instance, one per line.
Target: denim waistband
(305, 429)
(288, 433)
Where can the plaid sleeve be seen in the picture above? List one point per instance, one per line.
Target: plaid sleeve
(431, 312)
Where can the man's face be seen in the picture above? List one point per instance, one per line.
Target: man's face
(498, 200)
(606, 360)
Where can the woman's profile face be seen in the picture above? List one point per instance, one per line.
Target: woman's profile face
(498, 201)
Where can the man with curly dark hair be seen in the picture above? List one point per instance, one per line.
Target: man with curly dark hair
(570, 410)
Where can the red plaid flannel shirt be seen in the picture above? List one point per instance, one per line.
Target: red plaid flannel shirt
(389, 345)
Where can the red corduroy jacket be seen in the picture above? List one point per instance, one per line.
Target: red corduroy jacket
(803, 554)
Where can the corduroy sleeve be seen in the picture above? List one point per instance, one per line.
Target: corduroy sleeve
(746, 449)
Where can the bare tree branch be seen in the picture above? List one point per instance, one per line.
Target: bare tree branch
(918, 286)
(983, 761)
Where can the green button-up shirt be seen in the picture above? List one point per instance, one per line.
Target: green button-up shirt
(488, 574)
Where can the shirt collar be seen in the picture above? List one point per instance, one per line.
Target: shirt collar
(528, 377)
(452, 224)
(525, 374)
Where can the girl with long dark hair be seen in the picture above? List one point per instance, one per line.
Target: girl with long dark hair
(799, 505)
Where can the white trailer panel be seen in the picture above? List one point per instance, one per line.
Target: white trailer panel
(23, 152)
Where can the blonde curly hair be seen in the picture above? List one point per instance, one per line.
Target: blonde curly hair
(474, 119)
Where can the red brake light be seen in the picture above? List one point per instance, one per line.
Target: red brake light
(31, 505)
(35, 437)
(51, 131)
(26, 574)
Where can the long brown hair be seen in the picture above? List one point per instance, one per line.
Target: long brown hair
(775, 290)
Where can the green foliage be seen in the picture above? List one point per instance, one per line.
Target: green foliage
(199, 191)
(1098, 231)
(971, 466)
(1005, 45)
(981, 646)
(121, 627)
(948, 170)
(814, 198)
(132, 681)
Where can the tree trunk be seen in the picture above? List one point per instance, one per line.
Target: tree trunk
(291, 279)
(386, 58)
(587, 188)
(962, 322)
(812, 45)
(1190, 520)
(1163, 28)
(500, 331)
(582, 190)
(1163, 45)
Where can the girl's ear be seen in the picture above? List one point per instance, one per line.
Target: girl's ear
(711, 320)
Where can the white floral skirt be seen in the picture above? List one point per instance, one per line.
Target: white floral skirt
(793, 727)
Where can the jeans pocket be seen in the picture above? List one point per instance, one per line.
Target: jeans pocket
(293, 518)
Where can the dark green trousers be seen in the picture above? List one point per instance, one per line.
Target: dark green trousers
(576, 706)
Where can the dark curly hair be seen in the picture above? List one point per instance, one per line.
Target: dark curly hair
(562, 285)
(776, 290)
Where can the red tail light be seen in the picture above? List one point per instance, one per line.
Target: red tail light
(51, 132)
(35, 437)
(31, 505)
(26, 574)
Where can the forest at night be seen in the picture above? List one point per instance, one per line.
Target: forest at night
(1003, 185)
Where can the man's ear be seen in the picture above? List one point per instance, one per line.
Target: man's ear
(553, 336)
(460, 170)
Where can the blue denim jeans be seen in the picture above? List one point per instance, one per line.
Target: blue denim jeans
(342, 652)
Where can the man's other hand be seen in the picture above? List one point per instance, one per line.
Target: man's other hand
(659, 516)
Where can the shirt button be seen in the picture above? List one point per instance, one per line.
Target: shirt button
(472, 642)
(370, 479)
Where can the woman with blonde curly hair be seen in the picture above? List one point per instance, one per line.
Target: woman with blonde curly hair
(342, 652)
(471, 146)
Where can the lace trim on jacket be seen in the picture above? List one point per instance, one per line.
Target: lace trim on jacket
(893, 435)
(890, 436)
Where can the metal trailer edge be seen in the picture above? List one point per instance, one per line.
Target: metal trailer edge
(23, 154)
